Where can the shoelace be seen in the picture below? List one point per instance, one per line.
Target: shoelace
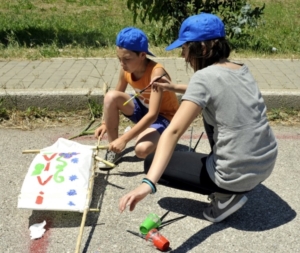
(110, 155)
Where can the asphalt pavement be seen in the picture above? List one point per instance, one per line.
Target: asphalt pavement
(267, 223)
(68, 83)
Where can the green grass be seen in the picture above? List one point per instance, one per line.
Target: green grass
(54, 28)
(280, 27)
(36, 29)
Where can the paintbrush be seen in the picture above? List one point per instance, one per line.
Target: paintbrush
(139, 93)
(136, 234)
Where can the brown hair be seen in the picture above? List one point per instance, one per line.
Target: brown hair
(204, 53)
(136, 52)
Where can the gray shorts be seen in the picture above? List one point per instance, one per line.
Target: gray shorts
(140, 111)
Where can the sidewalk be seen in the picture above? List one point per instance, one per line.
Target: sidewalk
(66, 83)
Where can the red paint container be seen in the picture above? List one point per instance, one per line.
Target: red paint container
(158, 240)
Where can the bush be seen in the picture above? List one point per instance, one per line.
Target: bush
(239, 17)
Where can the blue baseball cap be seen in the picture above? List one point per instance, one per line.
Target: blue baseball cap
(199, 27)
(133, 39)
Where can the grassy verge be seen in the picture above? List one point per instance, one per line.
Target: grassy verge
(280, 28)
(33, 118)
(36, 29)
(53, 28)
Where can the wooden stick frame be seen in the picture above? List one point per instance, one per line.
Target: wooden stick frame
(87, 209)
(36, 151)
(89, 191)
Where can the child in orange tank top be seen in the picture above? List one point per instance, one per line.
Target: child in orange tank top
(151, 111)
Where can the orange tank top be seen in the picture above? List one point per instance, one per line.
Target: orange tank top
(169, 103)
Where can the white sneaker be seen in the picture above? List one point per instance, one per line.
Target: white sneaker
(111, 157)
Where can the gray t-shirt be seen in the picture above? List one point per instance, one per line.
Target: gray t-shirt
(245, 148)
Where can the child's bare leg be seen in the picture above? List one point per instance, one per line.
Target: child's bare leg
(113, 103)
(146, 142)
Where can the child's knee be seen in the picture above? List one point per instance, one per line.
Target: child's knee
(110, 96)
(142, 150)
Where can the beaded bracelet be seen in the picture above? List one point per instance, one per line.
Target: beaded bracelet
(150, 183)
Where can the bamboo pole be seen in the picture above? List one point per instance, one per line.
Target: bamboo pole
(35, 151)
(104, 161)
(89, 196)
(32, 151)
(86, 210)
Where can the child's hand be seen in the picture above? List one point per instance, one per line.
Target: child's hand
(117, 145)
(100, 131)
(133, 197)
(163, 83)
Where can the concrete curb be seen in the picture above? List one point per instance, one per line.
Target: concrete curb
(276, 99)
(76, 99)
(68, 100)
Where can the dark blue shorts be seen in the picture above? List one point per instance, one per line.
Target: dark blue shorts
(140, 111)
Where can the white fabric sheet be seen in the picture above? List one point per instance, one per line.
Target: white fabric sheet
(58, 178)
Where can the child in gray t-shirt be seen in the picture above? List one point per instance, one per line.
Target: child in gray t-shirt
(243, 147)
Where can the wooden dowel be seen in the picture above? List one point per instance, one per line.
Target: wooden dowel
(101, 147)
(104, 161)
(35, 151)
(87, 209)
(78, 244)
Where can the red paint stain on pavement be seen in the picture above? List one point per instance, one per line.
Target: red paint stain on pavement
(41, 245)
(287, 137)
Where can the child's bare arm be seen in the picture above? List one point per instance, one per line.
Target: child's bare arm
(122, 83)
(165, 84)
(151, 116)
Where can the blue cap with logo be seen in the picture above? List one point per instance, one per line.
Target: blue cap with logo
(133, 39)
(201, 27)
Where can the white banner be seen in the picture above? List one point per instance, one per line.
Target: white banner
(58, 178)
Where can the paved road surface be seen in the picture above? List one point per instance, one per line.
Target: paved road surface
(268, 223)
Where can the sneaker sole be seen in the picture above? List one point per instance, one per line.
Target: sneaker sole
(230, 211)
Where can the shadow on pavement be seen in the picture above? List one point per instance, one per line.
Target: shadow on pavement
(264, 210)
